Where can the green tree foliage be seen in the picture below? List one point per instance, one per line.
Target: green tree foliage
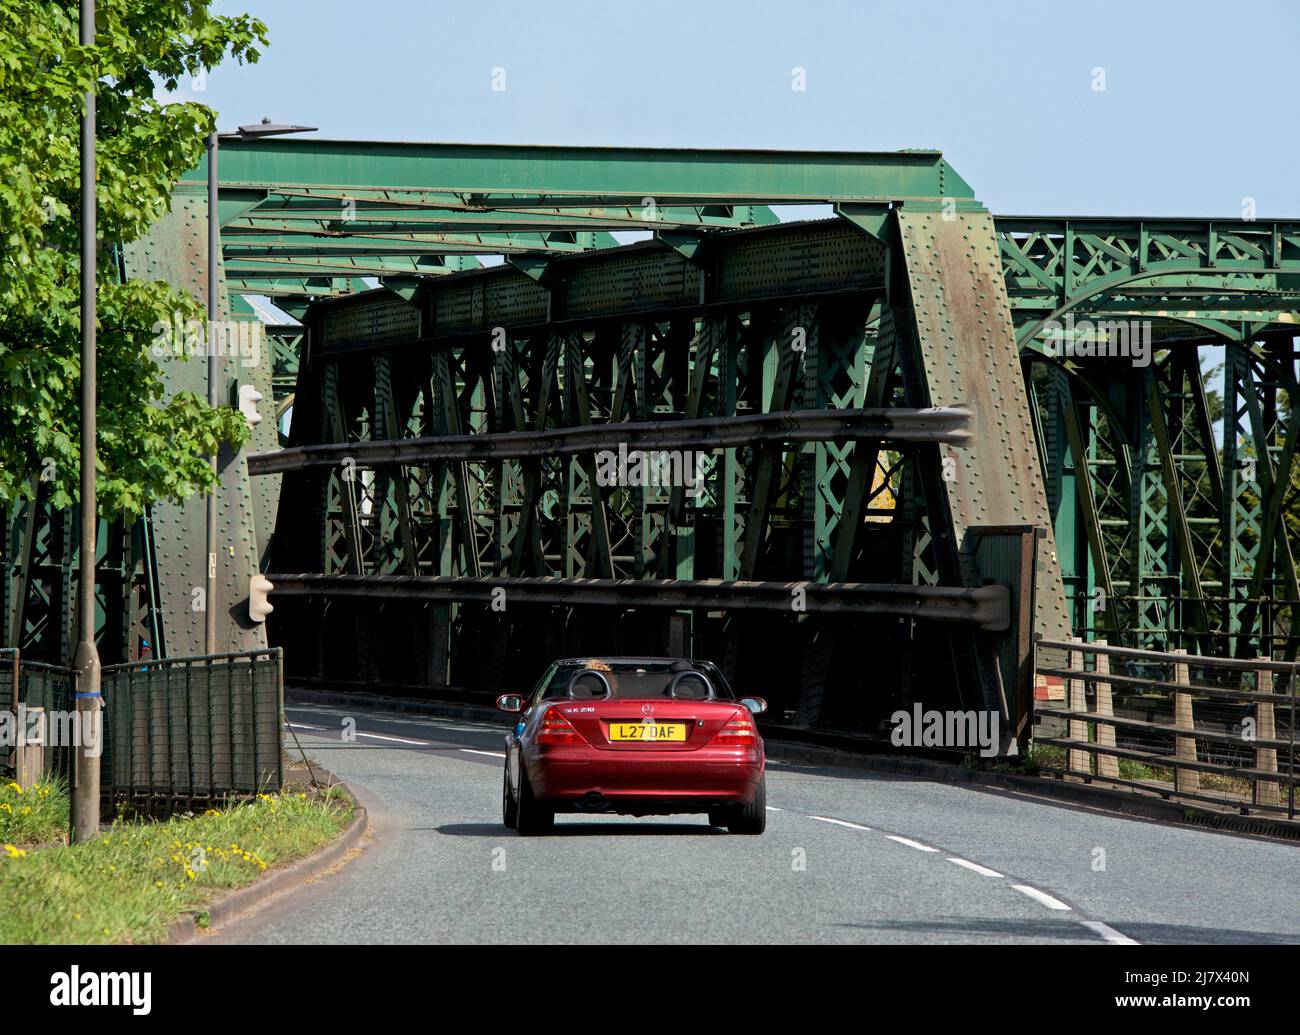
(149, 448)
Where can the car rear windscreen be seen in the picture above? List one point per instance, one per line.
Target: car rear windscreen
(627, 679)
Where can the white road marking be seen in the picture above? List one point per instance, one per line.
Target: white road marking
(1041, 896)
(910, 843)
(1112, 936)
(773, 808)
(839, 822)
(395, 740)
(400, 740)
(983, 871)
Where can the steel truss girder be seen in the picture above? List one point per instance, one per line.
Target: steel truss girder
(298, 245)
(649, 279)
(987, 607)
(452, 194)
(320, 211)
(1182, 530)
(937, 425)
(586, 176)
(1190, 268)
(639, 341)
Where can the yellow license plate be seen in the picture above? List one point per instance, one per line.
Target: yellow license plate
(656, 731)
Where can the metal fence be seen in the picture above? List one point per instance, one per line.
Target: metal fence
(194, 729)
(1187, 727)
(8, 677)
(176, 732)
(51, 687)
(8, 695)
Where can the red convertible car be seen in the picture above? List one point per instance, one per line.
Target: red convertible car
(633, 736)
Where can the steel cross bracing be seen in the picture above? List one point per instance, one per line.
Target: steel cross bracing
(311, 217)
(501, 387)
(911, 298)
(1161, 541)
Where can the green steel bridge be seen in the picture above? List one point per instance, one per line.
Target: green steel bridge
(904, 476)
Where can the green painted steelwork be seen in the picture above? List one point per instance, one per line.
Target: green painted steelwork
(548, 176)
(913, 295)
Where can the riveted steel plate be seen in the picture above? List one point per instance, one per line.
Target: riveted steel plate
(175, 250)
(378, 319)
(969, 356)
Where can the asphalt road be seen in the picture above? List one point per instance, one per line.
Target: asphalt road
(847, 857)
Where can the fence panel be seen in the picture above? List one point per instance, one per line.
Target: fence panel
(1199, 729)
(8, 677)
(177, 732)
(189, 730)
(51, 687)
(8, 697)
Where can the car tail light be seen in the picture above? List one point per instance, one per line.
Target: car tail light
(556, 729)
(739, 731)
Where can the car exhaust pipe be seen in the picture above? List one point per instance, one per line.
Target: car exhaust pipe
(595, 801)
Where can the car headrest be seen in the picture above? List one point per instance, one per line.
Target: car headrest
(588, 683)
(690, 686)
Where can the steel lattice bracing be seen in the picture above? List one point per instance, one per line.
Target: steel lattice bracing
(911, 298)
(1161, 513)
(310, 217)
(420, 395)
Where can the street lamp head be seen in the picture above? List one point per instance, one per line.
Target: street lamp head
(266, 128)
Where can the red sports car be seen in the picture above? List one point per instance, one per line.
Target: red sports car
(633, 736)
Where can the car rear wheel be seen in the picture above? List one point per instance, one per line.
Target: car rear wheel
(509, 807)
(751, 818)
(532, 817)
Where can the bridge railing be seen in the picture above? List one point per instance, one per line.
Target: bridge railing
(176, 732)
(1190, 728)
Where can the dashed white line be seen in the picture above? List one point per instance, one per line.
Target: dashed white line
(839, 822)
(400, 740)
(372, 736)
(1041, 896)
(910, 843)
(1112, 936)
(983, 871)
(395, 740)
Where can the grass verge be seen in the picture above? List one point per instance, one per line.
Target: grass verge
(32, 815)
(130, 882)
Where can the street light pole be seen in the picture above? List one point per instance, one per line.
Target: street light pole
(85, 791)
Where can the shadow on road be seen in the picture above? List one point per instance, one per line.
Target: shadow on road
(1063, 928)
(628, 829)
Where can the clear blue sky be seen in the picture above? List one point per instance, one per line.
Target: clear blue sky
(1199, 108)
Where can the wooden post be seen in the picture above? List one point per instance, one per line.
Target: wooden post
(29, 756)
(1078, 702)
(1266, 792)
(1107, 765)
(1186, 781)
